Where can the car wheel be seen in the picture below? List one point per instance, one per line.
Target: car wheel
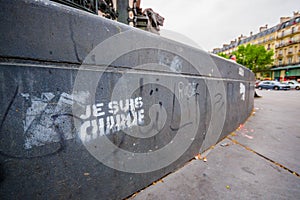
(276, 88)
(259, 87)
(297, 88)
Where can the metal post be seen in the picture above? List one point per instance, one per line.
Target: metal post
(122, 8)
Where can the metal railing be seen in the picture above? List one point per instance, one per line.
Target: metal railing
(106, 7)
(287, 43)
(86, 5)
(287, 33)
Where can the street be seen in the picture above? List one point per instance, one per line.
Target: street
(260, 160)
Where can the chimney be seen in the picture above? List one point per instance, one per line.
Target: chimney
(296, 13)
(251, 33)
(241, 37)
(284, 19)
(232, 41)
(263, 28)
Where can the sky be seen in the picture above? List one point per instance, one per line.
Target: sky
(211, 23)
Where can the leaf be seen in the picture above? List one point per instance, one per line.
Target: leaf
(198, 156)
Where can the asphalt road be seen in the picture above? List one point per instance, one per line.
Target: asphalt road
(260, 160)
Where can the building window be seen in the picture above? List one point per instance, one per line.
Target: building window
(281, 42)
(290, 50)
(290, 59)
(280, 62)
(293, 30)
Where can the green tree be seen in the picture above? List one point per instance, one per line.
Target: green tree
(255, 57)
(223, 55)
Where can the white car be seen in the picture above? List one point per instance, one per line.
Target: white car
(273, 85)
(293, 84)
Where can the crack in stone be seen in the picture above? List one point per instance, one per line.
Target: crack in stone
(74, 42)
(264, 157)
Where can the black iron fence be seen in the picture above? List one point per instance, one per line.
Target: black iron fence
(86, 5)
(125, 11)
(105, 7)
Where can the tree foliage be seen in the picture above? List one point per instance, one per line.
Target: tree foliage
(223, 55)
(255, 57)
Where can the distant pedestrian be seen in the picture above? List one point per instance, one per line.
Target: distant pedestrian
(233, 58)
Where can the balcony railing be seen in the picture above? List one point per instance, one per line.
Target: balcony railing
(287, 33)
(286, 64)
(279, 55)
(284, 44)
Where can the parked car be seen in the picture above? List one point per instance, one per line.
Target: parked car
(273, 85)
(293, 84)
(256, 83)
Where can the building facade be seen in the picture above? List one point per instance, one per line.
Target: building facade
(283, 39)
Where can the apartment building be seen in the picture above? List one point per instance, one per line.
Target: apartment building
(283, 39)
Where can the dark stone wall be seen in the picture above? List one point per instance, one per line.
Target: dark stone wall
(94, 109)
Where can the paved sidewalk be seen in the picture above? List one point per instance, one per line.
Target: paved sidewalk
(260, 160)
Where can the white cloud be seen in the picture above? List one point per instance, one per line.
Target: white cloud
(212, 23)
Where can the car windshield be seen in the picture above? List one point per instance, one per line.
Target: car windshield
(294, 82)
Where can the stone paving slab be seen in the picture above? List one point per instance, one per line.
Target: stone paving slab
(255, 162)
(231, 172)
(274, 129)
